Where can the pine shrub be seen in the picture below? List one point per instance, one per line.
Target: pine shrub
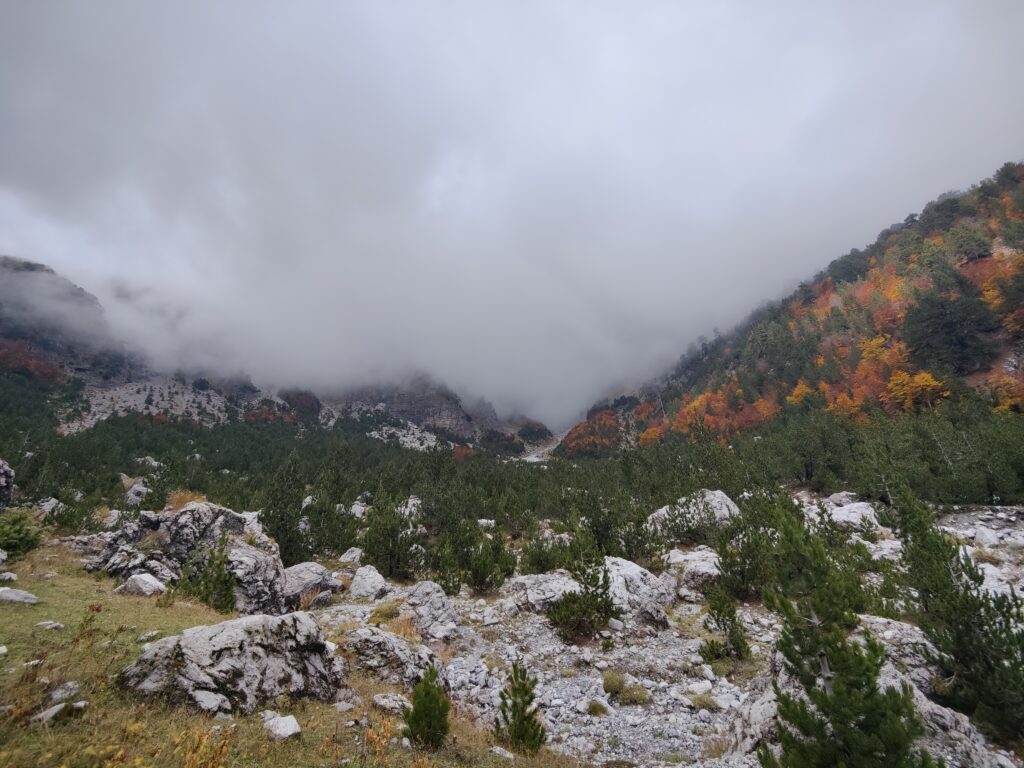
(426, 723)
(516, 725)
(212, 581)
(843, 718)
(581, 613)
(722, 618)
(18, 532)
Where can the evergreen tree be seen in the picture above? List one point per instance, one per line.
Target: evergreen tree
(843, 719)
(282, 511)
(516, 725)
(426, 723)
(391, 544)
(979, 636)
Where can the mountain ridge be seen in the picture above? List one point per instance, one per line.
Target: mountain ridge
(842, 341)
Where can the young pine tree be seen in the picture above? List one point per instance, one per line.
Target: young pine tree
(844, 719)
(426, 724)
(978, 635)
(516, 725)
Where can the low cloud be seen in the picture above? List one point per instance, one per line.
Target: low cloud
(533, 202)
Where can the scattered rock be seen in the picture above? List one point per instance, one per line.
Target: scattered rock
(7, 577)
(53, 626)
(391, 702)
(64, 692)
(368, 584)
(539, 591)
(242, 662)
(142, 585)
(699, 566)
(190, 535)
(633, 587)
(58, 711)
(17, 596)
(433, 611)
(855, 515)
(352, 555)
(311, 579)
(280, 728)
(390, 657)
(502, 753)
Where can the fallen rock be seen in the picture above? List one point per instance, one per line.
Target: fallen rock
(17, 596)
(309, 579)
(433, 611)
(352, 555)
(58, 711)
(633, 587)
(142, 585)
(855, 515)
(391, 702)
(240, 663)
(390, 657)
(368, 584)
(64, 692)
(702, 507)
(539, 591)
(280, 728)
(699, 566)
(188, 537)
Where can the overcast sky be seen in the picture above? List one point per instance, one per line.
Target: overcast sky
(533, 201)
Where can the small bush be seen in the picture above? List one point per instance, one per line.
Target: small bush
(634, 695)
(722, 618)
(704, 701)
(579, 614)
(426, 723)
(212, 582)
(490, 564)
(613, 682)
(596, 709)
(517, 726)
(19, 533)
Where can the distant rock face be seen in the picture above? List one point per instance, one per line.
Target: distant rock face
(238, 664)
(6, 484)
(189, 536)
(37, 303)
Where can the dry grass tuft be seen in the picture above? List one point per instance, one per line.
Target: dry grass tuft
(405, 627)
(385, 612)
(179, 498)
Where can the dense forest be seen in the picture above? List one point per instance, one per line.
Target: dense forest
(925, 322)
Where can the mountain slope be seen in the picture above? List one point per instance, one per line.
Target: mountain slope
(933, 306)
(52, 329)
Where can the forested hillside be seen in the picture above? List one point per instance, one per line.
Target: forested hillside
(907, 350)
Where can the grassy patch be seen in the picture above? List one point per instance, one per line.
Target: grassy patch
(119, 729)
(634, 695)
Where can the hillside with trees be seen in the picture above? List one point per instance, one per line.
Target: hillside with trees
(923, 328)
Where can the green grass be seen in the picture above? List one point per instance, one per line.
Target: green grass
(119, 729)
